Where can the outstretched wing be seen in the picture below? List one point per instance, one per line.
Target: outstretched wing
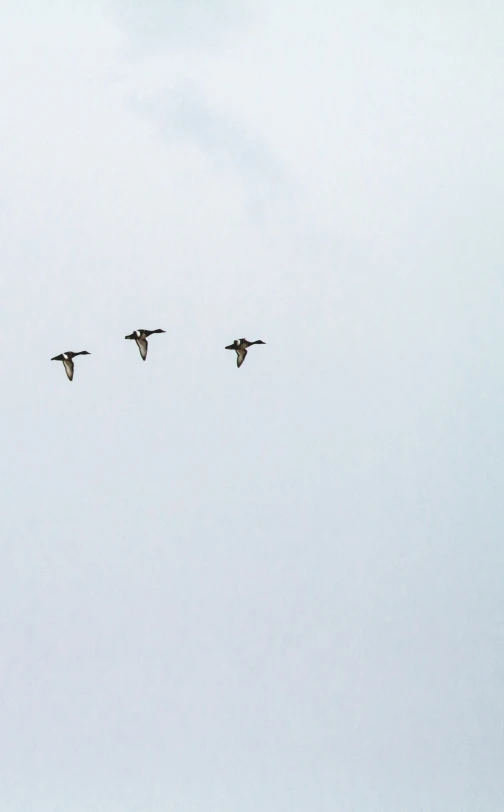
(240, 356)
(69, 368)
(142, 346)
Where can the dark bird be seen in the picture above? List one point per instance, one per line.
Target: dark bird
(140, 336)
(66, 357)
(240, 346)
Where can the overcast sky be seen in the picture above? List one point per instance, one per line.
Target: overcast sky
(279, 588)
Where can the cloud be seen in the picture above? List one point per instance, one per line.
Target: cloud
(155, 25)
(185, 114)
(163, 86)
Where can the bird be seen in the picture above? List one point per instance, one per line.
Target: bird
(68, 363)
(240, 346)
(140, 336)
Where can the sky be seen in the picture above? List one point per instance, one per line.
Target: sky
(279, 587)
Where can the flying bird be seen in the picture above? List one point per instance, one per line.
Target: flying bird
(240, 346)
(68, 363)
(140, 336)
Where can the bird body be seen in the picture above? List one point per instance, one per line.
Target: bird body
(240, 346)
(67, 358)
(140, 336)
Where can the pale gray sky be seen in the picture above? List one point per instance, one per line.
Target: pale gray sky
(278, 588)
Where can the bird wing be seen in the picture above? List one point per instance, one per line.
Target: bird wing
(240, 357)
(69, 368)
(142, 346)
